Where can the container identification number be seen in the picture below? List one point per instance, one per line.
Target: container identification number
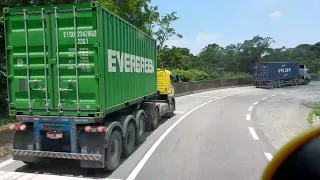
(70, 34)
(83, 36)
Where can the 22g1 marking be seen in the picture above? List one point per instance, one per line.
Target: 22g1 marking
(83, 41)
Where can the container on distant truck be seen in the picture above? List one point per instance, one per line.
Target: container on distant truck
(83, 84)
(278, 74)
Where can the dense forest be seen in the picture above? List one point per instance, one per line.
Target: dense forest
(214, 61)
(236, 60)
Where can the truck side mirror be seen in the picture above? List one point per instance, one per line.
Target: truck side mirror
(298, 159)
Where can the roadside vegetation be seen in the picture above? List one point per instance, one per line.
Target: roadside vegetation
(314, 112)
(212, 62)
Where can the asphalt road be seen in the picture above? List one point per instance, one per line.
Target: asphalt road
(213, 136)
(284, 116)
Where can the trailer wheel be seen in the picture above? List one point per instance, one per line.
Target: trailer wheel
(279, 84)
(31, 164)
(140, 134)
(171, 107)
(128, 141)
(155, 119)
(113, 152)
(272, 85)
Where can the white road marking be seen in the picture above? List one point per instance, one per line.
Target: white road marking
(7, 175)
(203, 96)
(250, 108)
(31, 176)
(253, 133)
(264, 98)
(248, 117)
(4, 163)
(145, 158)
(283, 93)
(274, 95)
(179, 112)
(269, 156)
(27, 176)
(293, 91)
(256, 103)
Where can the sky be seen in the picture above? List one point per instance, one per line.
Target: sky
(203, 22)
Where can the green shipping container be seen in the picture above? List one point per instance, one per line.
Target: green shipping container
(76, 60)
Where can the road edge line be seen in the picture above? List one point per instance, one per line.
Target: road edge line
(6, 162)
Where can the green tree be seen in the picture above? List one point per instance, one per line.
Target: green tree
(137, 12)
(230, 57)
(252, 51)
(210, 57)
(164, 31)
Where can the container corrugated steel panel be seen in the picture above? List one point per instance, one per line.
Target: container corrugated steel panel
(269, 71)
(108, 65)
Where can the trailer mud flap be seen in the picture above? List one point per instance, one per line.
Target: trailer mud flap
(92, 143)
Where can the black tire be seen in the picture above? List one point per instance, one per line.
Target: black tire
(113, 152)
(32, 164)
(170, 114)
(155, 119)
(272, 85)
(140, 134)
(128, 141)
(279, 84)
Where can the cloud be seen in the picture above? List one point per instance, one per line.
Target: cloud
(197, 43)
(276, 14)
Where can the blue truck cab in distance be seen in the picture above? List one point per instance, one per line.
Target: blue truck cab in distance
(277, 74)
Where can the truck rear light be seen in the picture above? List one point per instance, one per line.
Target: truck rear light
(17, 127)
(87, 129)
(12, 127)
(23, 127)
(100, 129)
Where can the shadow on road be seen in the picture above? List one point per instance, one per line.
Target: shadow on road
(72, 168)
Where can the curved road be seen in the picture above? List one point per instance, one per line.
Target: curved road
(215, 135)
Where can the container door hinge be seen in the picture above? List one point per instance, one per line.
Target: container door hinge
(12, 105)
(98, 76)
(94, 4)
(96, 45)
(99, 115)
(5, 10)
(12, 112)
(98, 107)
